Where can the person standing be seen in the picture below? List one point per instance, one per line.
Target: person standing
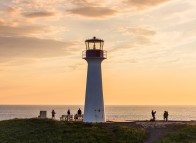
(165, 116)
(53, 114)
(68, 117)
(79, 112)
(153, 115)
(68, 112)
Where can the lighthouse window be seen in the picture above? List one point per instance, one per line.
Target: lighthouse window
(91, 46)
(94, 45)
(101, 43)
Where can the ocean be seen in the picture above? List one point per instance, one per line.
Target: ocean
(113, 112)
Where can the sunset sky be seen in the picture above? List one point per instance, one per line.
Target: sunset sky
(151, 48)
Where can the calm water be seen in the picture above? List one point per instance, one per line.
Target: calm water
(112, 112)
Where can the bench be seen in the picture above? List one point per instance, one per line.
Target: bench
(78, 117)
(66, 118)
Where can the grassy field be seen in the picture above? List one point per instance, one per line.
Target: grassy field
(186, 134)
(50, 131)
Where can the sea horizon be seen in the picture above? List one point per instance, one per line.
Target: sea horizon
(105, 104)
(113, 112)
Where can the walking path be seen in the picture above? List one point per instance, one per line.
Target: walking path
(155, 129)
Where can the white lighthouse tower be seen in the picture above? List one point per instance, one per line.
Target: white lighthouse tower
(94, 54)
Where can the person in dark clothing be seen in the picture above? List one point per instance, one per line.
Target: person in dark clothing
(53, 114)
(153, 115)
(79, 112)
(68, 112)
(165, 116)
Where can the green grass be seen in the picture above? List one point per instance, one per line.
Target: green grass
(186, 134)
(50, 131)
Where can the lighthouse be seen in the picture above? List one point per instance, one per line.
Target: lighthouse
(94, 54)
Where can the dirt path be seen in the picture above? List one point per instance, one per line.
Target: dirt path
(154, 134)
(156, 129)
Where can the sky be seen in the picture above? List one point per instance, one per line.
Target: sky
(150, 46)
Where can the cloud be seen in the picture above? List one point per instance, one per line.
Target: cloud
(13, 10)
(21, 30)
(81, 2)
(141, 36)
(121, 45)
(92, 3)
(138, 31)
(30, 30)
(134, 38)
(28, 47)
(38, 14)
(143, 4)
(92, 8)
(38, 3)
(93, 12)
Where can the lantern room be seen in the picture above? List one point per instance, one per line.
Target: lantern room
(94, 44)
(94, 49)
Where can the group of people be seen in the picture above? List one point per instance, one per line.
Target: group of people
(79, 113)
(165, 115)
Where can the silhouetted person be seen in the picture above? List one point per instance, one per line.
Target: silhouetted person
(53, 114)
(79, 112)
(165, 116)
(153, 115)
(68, 112)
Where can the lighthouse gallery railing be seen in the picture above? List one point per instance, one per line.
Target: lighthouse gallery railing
(94, 54)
